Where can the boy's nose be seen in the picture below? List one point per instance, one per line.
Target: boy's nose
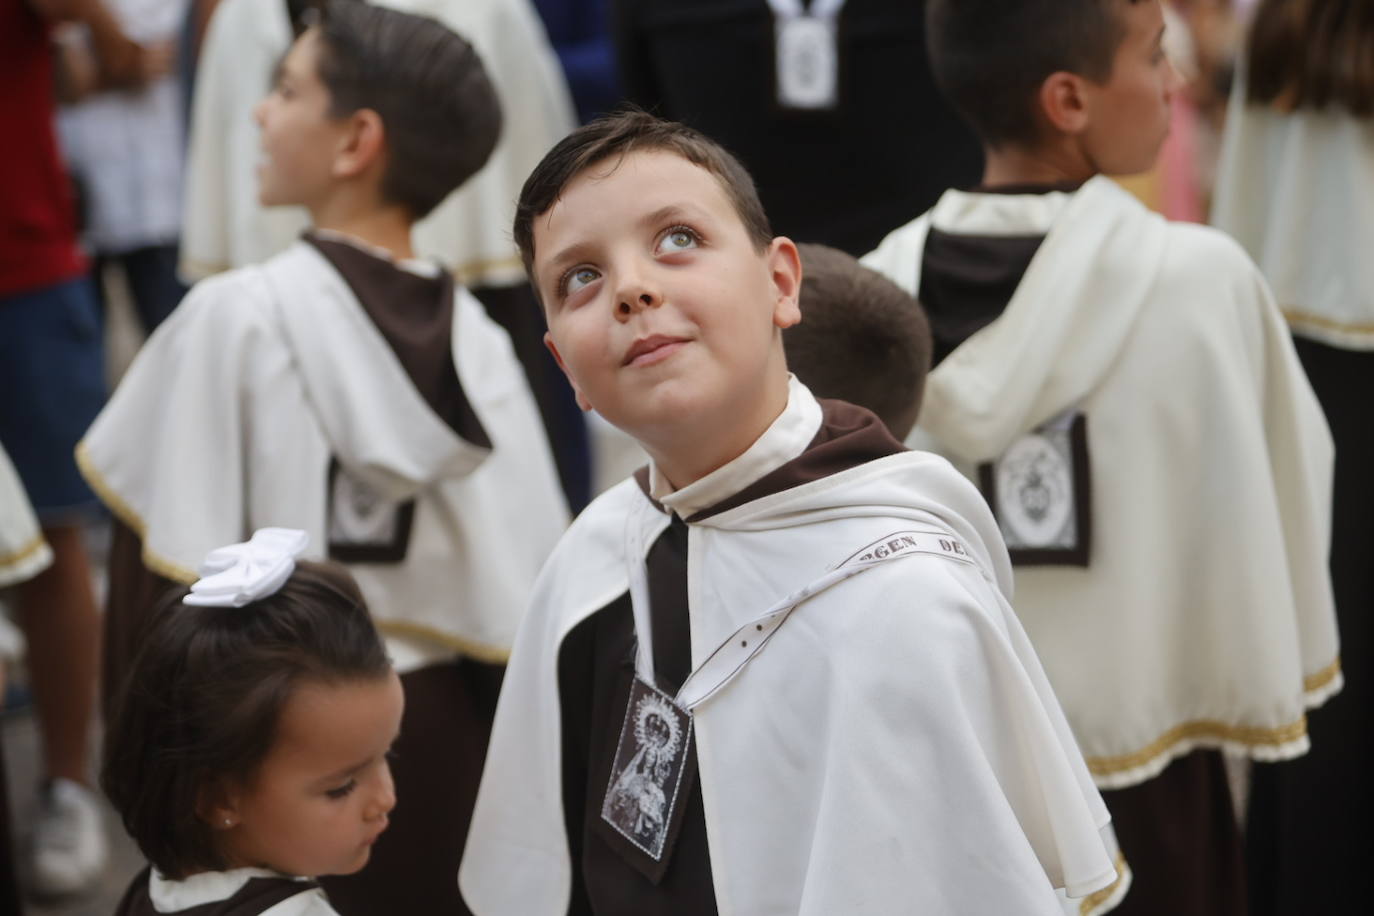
(259, 112)
(631, 302)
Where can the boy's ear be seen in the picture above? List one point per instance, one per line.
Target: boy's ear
(558, 358)
(363, 144)
(784, 264)
(1063, 101)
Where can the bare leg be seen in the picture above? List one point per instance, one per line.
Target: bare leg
(58, 615)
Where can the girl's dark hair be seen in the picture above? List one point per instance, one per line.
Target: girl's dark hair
(205, 692)
(1313, 54)
(441, 114)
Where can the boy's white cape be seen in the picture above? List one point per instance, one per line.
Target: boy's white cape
(23, 551)
(226, 227)
(228, 419)
(1206, 616)
(1297, 190)
(894, 746)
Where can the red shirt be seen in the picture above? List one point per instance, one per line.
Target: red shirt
(37, 219)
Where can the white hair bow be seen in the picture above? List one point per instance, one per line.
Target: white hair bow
(243, 573)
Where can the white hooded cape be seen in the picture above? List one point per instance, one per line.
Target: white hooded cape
(1297, 190)
(1206, 617)
(23, 551)
(893, 747)
(226, 227)
(228, 419)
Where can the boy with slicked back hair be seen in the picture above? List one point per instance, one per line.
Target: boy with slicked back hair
(775, 671)
(1124, 392)
(864, 339)
(349, 389)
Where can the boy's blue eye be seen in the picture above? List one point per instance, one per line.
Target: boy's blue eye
(342, 791)
(679, 238)
(576, 279)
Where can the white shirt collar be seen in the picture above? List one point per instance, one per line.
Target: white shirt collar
(785, 439)
(170, 896)
(997, 214)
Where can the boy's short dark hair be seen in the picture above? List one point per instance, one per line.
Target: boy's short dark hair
(990, 57)
(203, 697)
(631, 130)
(862, 338)
(441, 114)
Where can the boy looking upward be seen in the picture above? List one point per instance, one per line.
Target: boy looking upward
(774, 672)
(865, 340)
(347, 389)
(1127, 394)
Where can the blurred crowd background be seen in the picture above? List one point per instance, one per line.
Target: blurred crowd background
(152, 101)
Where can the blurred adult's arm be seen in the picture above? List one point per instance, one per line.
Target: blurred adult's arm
(121, 61)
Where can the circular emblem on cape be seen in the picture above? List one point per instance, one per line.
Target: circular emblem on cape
(1034, 491)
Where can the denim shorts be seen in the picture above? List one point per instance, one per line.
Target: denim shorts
(52, 385)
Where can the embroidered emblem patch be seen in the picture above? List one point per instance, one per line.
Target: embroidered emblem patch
(646, 775)
(1040, 491)
(364, 527)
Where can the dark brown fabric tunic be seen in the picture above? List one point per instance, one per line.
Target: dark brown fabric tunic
(1178, 831)
(596, 665)
(9, 884)
(1309, 818)
(258, 895)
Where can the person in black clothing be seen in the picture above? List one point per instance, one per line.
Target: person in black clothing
(843, 175)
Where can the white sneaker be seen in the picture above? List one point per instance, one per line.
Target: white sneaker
(69, 849)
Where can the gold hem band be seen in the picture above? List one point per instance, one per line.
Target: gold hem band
(126, 514)
(1294, 316)
(1099, 897)
(466, 273)
(477, 651)
(1206, 731)
(23, 553)
(1323, 678)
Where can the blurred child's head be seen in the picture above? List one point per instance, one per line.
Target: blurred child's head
(379, 101)
(1312, 54)
(862, 338)
(1087, 78)
(663, 286)
(257, 735)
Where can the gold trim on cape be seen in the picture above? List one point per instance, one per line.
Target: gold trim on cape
(1094, 900)
(475, 270)
(23, 553)
(126, 513)
(1296, 316)
(1323, 678)
(202, 269)
(482, 652)
(1204, 730)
